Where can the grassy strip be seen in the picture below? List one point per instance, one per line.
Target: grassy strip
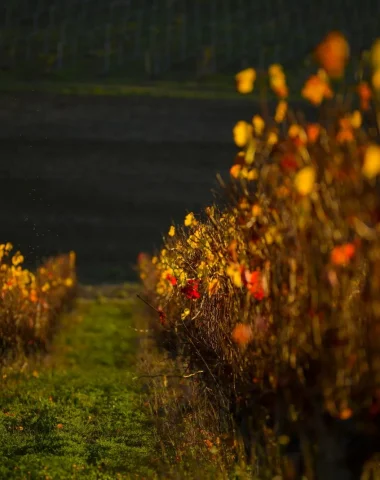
(95, 89)
(77, 413)
(211, 91)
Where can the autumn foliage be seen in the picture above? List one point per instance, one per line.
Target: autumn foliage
(30, 303)
(279, 293)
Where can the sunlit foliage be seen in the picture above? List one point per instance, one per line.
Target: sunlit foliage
(280, 291)
(30, 302)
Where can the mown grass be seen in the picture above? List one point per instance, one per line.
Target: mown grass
(158, 89)
(77, 413)
(218, 87)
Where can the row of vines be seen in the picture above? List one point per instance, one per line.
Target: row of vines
(31, 303)
(274, 298)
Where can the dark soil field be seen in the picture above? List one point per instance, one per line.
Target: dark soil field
(105, 176)
(107, 201)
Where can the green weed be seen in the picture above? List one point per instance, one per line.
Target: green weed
(77, 413)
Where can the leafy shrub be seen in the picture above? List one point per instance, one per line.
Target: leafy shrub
(31, 302)
(276, 297)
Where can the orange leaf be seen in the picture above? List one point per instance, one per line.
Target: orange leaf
(242, 334)
(342, 254)
(332, 54)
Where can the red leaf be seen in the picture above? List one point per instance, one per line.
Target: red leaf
(171, 279)
(162, 316)
(253, 282)
(191, 289)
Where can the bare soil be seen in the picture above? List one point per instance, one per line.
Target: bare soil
(105, 176)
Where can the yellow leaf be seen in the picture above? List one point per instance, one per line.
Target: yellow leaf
(242, 133)
(210, 211)
(17, 259)
(356, 119)
(244, 172)
(258, 124)
(371, 166)
(245, 87)
(256, 210)
(245, 80)
(272, 138)
(275, 70)
(277, 80)
(294, 130)
(172, 231)
(233, 271)
(252, 175)
(281, 110)
(185, 313)
(250, 153)
(304, 181)
(271, 235)
(213, 286)
(190, 220)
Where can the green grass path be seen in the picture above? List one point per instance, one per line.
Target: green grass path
(77, 413)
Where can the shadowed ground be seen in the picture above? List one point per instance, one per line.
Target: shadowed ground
(107, 201)
(104, 176)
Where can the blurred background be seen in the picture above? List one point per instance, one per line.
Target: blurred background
(115, 116)
(138, 40)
